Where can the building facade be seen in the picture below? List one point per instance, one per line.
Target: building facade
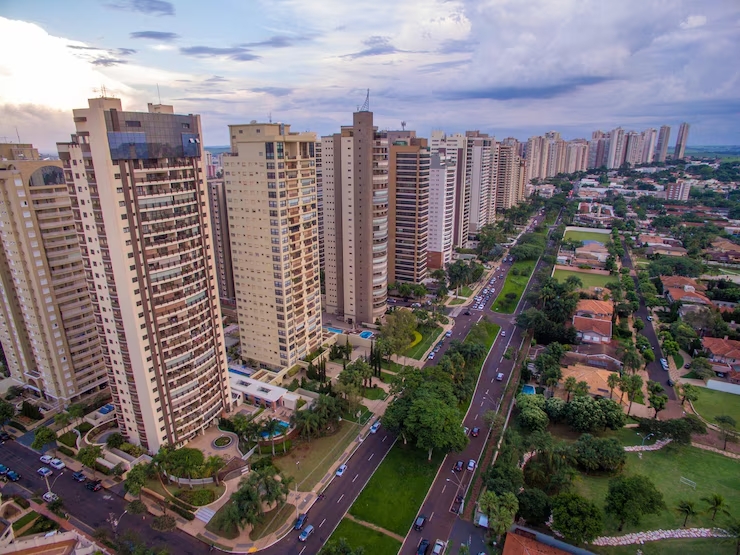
(270, 178)
(221, 240)
(47, 324)
(683, 136)
(140, 205)
(678, 191)
(442, 178)
(661, 149)
(355, 187)
(510, 175)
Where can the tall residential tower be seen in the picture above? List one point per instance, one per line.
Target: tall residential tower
(683, 136)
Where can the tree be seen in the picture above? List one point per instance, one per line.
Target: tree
(398, 330)
(658, 402)
(340, 547)
(500, 511)
(534, 506)
(436, 425)
(670, 347)
(136, 479)
(688, 393)
(633, 386)
(570, 385)
(164, 523)
(582, 389)
(733, 533)
(76, 410)
(631, 497)
(136, 507)
(639, 325)
(89, 456)
(648, 356)
(115, 440)
(271, 427)
(577, 518)
(7, 411)
(62, 419)
(631, 358)
(726, 425)
(716, 504)
(599, 454)
(702, 368)
(43, 436)
(687, 509)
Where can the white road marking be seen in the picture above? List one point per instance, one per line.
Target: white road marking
(481, 403)
(302, 550)
(371, 456)
(322, 523)
(340, 498)
(355, 478)
(444, 488)
(382, 440)
(486, 392)
(476, 417)
(430, 516)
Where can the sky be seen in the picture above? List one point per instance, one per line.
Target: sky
(506, 67)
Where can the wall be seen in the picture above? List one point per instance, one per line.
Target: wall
(724, 386)
(588, 229)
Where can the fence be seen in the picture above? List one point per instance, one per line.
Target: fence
(191, 482)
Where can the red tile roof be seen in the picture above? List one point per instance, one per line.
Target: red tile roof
(727, 348)
(592, 325)
(681, 281)
(595, 307)
(680, 294)
(520, 545)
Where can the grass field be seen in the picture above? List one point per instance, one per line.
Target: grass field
(406, 470)
(712, 473)
(715, 403)
(678, 359)
(514, 284)
(374, 393)
(589, 280)
(457, 301)
(316, 456)
(466, 291)
(708, 546)
(429, 336)
(372, 541)
(586, 236)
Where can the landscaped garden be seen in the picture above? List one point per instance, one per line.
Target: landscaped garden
(374, 393)
(711, 404)
(588, 279)
(571, 235)
(516, 283)
(465, 291)
(356, 535)
(429, 335)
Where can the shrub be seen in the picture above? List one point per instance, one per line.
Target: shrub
(102, 468)
(131, 449)
(163, 523)
(42, 525)
(69, 439)
(534, 506)
(262, 462)
(115, 441)
(66, 450)
(21, 501)
(222, 441)
(678, 429)
(187, 515)
(197, 497)
(17, 425)
(225, 424)
(85, 427)
(599, 454)
(31, 411)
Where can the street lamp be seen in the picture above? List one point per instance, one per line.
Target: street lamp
(48, 487)
(113, 521)
(644, 439)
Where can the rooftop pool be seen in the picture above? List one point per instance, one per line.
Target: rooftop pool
(528, 389)
(366, 334)
(335, 330)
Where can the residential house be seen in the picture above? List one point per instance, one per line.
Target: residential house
(724, 355)
(648, 240)
(599, 355)
(681, 281)
(596, 380)
(601, 310)
(594, 214)
(593, 321)
(521, 542)
(666, 250)
(595, 252)
(725, 251)
(686, 295)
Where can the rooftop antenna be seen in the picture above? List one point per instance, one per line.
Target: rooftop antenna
(269, 117)
(159, 95)
(403, 125)
(366, 105)
(17, 134)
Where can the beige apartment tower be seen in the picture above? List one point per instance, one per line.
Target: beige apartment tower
(47, 324)
(221, 240)
(355, 188)
(273, 220)
(140, 204)
(408, 207)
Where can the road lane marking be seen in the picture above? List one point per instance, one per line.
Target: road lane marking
(340, 498)
(371, 456)
(302, 550)
(430, 516)
(481, 403)
(443, 488)
(501, 359)
(322, 523)
(355, 478)
(384, 438)
(476, 417)
(486, 393)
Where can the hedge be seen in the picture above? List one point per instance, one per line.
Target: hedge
(21, 501)
(102, 469)
(25, 519)
(69, 439)
(182, 512)
(179, 503)
(66, 450)
(85, 427)
(198, 497)
(17, 425)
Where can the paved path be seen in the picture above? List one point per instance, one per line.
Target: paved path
(715, 450)
(375, 527)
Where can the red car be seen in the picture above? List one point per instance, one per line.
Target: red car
(475, 432)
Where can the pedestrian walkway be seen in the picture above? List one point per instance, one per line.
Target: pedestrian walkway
(715, 450)
(205, 514)
(375, 527)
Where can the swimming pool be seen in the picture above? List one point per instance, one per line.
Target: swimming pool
(335, 330)
(282, 425)
(366, 334)
(528, 389)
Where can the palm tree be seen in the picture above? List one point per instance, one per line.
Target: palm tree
(271, 426)
(687, 509)
(212, 465)
(582, 389)
(163, 461)
(631, 358)
(230, 518)
(733, 533)
(612, 381)
(716, 504)
(570, 386)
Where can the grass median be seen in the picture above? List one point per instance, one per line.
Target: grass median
(428, 337)
(514, 286)
(371, 540)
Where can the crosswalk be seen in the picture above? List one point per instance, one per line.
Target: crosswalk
(205, 514)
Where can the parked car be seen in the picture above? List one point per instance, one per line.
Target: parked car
(500, 377)
(79, 477)
(50, 497)
(374, 427)
(466, 430)
(5, 436)
(341, 469)
(46, 459)
(300, 521)
(448, 334)
(649, 318)
(431, 356)
(44, 471)
(57, 464)
(670, 382)
(458, 466)
(415, 305)
(423, 547)
(420, 522)
(687, 366)
(471, 465)
(3, 470)
(94, 486)
(467, 313)
(306, 532)
(13, 476)
(439, 547)
(475, 431)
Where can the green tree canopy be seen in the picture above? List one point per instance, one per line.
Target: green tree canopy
(631, 497)
(577, 518)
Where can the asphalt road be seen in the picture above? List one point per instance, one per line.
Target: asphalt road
(440, 501)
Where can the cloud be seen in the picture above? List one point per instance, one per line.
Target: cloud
(521, 92)
(453, 46)
(154, 35)
(216, 79)
(441, 66)
(237, 53)
(82, 47)
(276, 41)
(274, 91)
(693, 21)
(376, 46)
(150, 7)
(123, 51)
(107, 62)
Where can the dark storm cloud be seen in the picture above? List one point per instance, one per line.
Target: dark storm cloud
(543, 91)
(165, 36)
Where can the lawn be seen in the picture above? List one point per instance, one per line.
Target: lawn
(466, 291)
(514, 284)
(483, 332)
(589, 280)
(309, 461)
(428, 337)
(704, 546)
(712, 473)
(406, 470)
(586, 236)
(457, 301)
(374, 393)
(393, 366)
(713, 403)
(678, 359)
(272, 520)
(372, 541)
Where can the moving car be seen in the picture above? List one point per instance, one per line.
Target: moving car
(5, 436)
(500, 377)
(79, 477)
(420, 522)
(649, 318)
(50, 497)
(467, 313)
(46, 459)
(341, 469)
(471, 465)
(374, 427)
(475, 432)
(94, 486)
(57, 464)
(44, 471)
(458, 466)
(300, 521)
(503, 333)
(307, 532)
(423, 547)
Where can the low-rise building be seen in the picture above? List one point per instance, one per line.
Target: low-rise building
(686, 294)
(590, 330)
(260, 394)
(598, 355)
(666, 250)
(592, 251)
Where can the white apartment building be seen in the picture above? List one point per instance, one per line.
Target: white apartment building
(270, 178)
(140, 205)
(442, 178)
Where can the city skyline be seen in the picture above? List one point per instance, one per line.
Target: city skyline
(505, 69)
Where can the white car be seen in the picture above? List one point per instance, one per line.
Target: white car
(44, 471)
(57, 464)
(471, 465)
(431, 356)
(341, 469)
(46, 459)
(503, 333)
(50, 496)
(448, 334)
(439, 547)
(500, 377)
(374, 427)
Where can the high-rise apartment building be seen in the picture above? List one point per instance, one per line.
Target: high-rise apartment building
(617, 144)
(683, 136)
(442, 186)
(408, 207)
(320, 204)
(140, 205)
(648, 146)
(47, 324)
(270, 179)
(221, 240)
(355, 183)
(511, 172)
(479, 181)
(661, 149)
(633, 148)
